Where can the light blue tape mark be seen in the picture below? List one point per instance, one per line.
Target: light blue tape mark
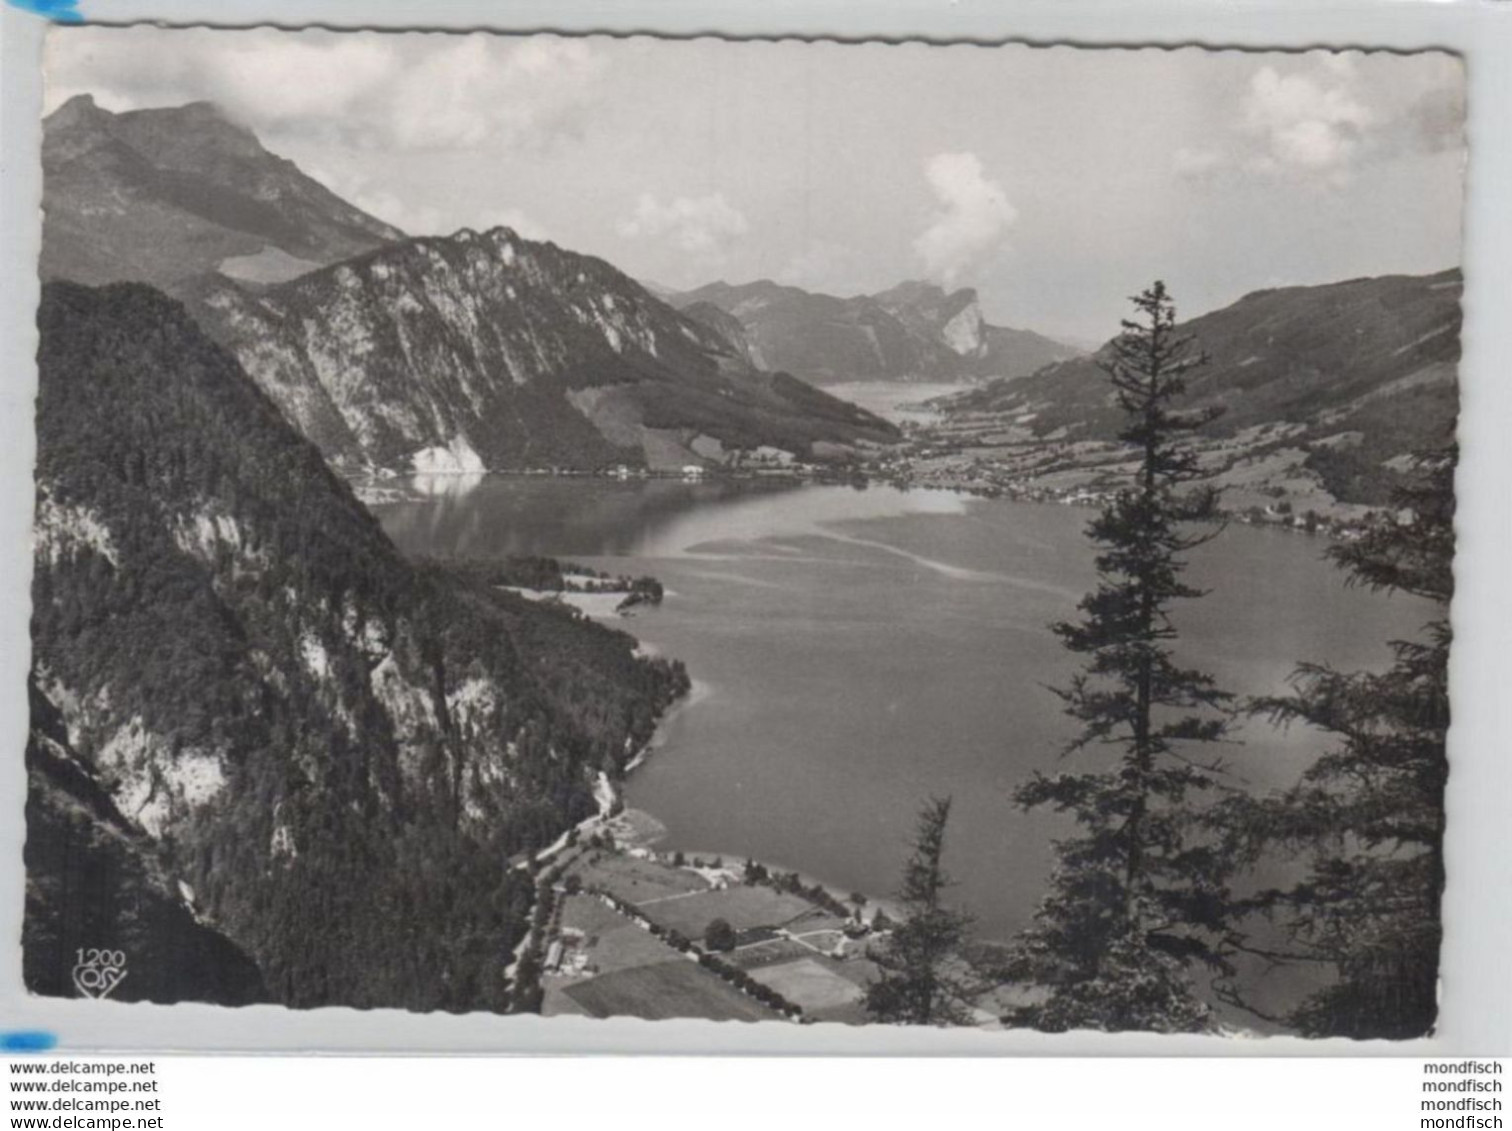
(63, 11)
(27, 1040)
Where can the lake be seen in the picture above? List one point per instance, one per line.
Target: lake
(858, 650)
(902, 402)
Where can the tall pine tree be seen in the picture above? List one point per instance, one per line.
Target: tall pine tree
(924, 981)
(1370, 812)
(1140, 892)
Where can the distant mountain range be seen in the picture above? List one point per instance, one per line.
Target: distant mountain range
(1356, 374)
(473, 352)
(270, 756)
(165, 195)
(914, 332)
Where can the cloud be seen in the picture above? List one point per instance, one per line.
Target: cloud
(1308, 122)
(422, 219)
(128, 68)
(1434, 121)
(1319, 119)
(483, 90)
(412, 93)
(703, 226)
(973, 218)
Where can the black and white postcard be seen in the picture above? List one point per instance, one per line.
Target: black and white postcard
(776, 531)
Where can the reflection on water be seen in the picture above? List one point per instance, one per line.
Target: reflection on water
(651, 518)
(864, 649)
(562, 516)
(445, 486)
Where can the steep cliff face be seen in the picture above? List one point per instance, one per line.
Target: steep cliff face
(954, 319)
(95, 881)
(491, 351)
(337, 751)
(914, 331)
(165, 195)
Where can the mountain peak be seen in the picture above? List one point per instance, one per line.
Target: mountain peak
(184, 133)
(77, 104)
(923, 293)
(913, 330)
(169, 194)
(80, 110)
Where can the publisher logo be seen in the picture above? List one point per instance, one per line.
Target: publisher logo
(98, 972)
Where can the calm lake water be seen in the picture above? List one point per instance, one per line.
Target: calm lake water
(898, 401)
(859, 650)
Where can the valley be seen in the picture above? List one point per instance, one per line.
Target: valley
(452, 621)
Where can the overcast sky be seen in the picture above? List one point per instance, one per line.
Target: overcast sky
(1056, 181)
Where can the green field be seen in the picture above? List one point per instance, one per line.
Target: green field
(816, 920)
(826, 989)
(675, 988)
(588, 914)
(767, 954)
(611, 941)
(556, 1003)
(636, 880)
(810, 983)
(741, 907)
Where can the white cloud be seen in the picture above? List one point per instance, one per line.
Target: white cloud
(973, 218)
(1319, 119)
(299, 81)
(1307, 122)
(380, 91)
(262, 76)
(486, 90)
(703, 226)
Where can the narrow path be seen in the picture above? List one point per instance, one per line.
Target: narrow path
(670, 898)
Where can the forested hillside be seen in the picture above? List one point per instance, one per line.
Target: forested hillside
(337, 751)
(1356, 374)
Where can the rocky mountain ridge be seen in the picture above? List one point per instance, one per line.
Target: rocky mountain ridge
(489, 351)
(913, 331)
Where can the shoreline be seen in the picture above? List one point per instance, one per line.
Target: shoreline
(841, 895)
(1334, 523)
(698, 692)
(645, 830)
(610, 795)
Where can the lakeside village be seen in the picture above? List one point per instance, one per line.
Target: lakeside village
(1265, 473)
(622, 929)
